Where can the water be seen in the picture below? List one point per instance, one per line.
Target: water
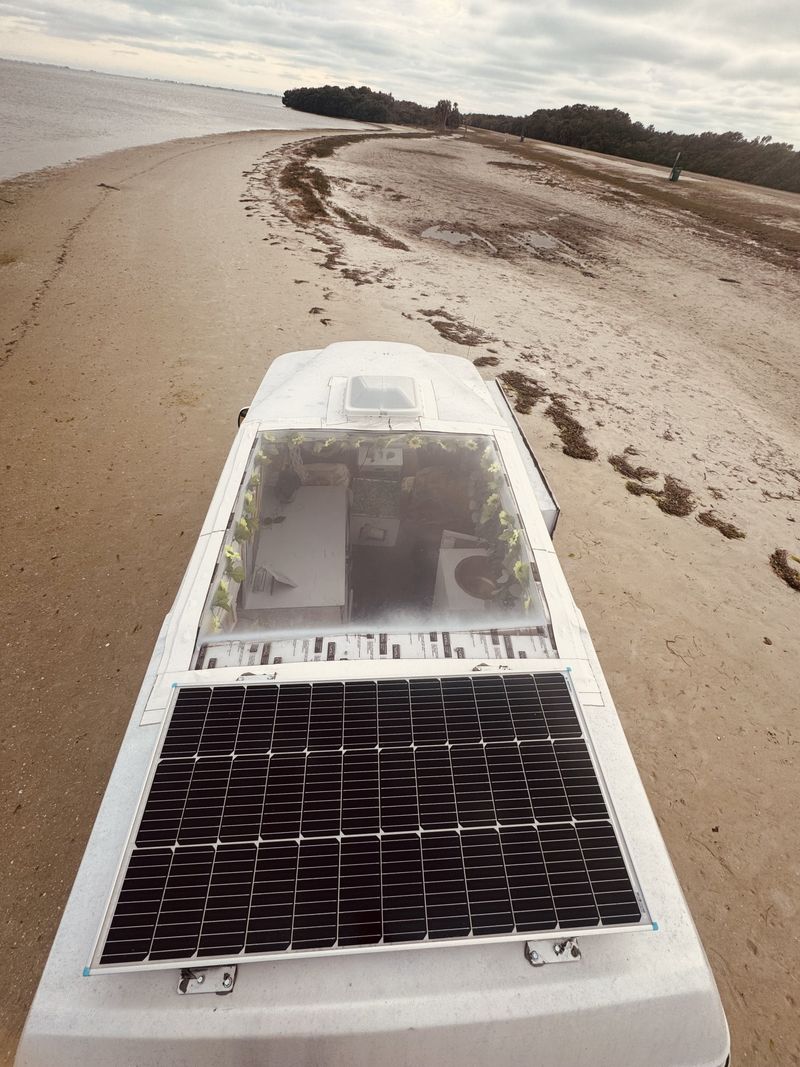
(456, 237)
(531, 239)
(50, 115)
(451, 237)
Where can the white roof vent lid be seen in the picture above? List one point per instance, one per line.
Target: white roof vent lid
(372, 394)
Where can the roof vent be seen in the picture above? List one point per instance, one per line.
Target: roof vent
(382, 395)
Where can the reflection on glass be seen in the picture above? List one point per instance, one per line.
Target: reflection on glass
(354, 545)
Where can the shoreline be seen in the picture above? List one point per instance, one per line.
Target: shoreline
(87, 113)
(148, 290)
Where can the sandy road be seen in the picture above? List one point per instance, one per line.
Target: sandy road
(140, 318)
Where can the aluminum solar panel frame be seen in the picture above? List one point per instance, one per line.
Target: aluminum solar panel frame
(288, 819)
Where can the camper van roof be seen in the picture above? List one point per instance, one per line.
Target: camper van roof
(173, 867)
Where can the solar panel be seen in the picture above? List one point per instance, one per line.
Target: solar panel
(292, 818)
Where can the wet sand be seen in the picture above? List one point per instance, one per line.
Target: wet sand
(143, 296)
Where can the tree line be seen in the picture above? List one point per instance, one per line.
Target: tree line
(365, 105)
(760, 161)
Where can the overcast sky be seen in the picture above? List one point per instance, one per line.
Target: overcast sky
(685, 65)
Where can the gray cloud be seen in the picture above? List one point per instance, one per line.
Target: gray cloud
(685, 64)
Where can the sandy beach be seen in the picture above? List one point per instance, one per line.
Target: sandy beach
(144, 293)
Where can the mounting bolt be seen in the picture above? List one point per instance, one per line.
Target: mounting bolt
(199, 978)
(227, 980)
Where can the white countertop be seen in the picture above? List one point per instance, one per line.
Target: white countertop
(309, 547)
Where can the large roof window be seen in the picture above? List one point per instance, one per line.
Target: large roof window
(354, 545)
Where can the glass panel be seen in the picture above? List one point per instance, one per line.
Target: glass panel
(353, 545)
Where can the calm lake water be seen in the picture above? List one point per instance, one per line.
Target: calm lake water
(50, 115)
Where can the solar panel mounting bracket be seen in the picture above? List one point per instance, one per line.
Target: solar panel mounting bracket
(566, 950)
(219, 980)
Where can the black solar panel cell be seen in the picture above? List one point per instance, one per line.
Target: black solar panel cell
(495, 713)
(285, 818)
(446, 907)
(131, 932)
(512, 800)
(616, 900)
(186, 724)
(427, 712)
(326, 724)
(360, 793)
(398, 788)
(179, 920)
(225, 919)
(202, 813)
(473, 789)
(360, 715)
(525, 707)
(269, 926)
(322, 795)
(257, 720)
(580, 781)
(545, 784)
(316, 904)
(291, 718)
(402, 890)
(221, 724)
(394, 714)
(557, 707)
(434, 781)
(569, 880)
(283, 800)
(360, 912)
(161, 819)
(460, 711)
(531, 898)
(244, 801)
(487, 884)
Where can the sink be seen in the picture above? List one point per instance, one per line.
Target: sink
(477, 576)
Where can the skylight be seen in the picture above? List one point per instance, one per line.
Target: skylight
(359, 545)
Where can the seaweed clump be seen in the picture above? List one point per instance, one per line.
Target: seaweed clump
(727, 529)
(622, 465)
(486, 361)
(674, 499)
(309, 185)
(527, 391)
(779, 561)
(572, 434)
(365, 229)
(453, 329)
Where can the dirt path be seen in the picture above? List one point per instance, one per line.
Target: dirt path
(137, 319)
